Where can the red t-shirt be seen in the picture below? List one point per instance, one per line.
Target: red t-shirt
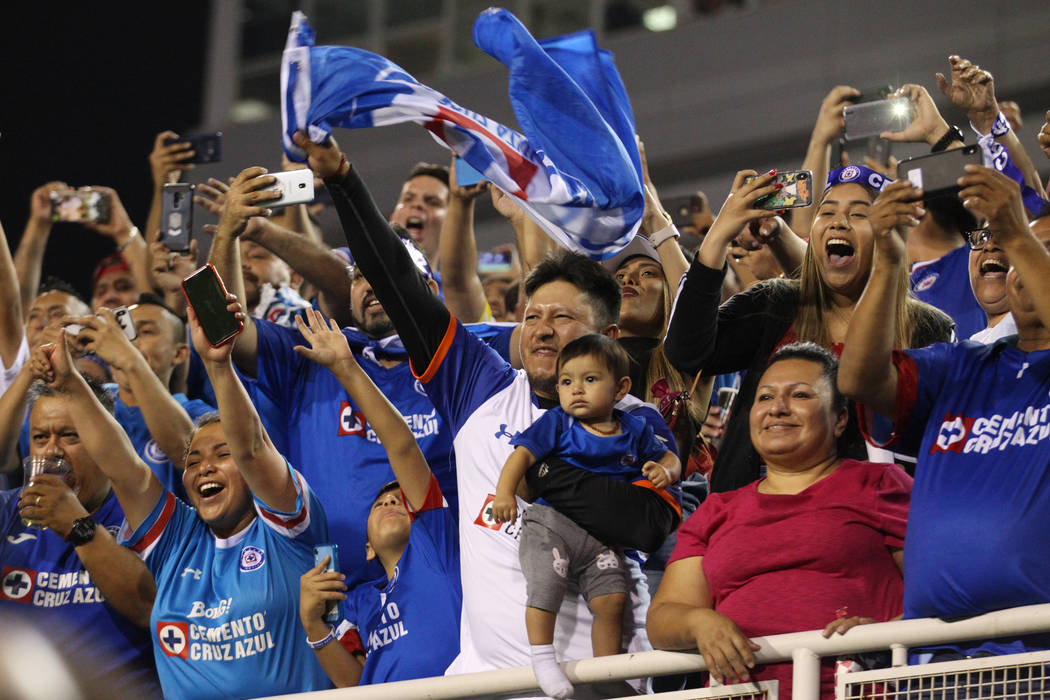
(786, 563)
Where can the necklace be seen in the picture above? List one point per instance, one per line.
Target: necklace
(606, 433)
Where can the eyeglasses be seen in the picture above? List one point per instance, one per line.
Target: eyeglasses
(978, 238)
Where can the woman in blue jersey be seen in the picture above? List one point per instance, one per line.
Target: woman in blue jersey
(224, 622)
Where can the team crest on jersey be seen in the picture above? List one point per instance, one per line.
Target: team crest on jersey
(351, 422)
(252, 558)
(153, 453)
(926, 282)
(485, 518)
(174, 638)
(17, 584)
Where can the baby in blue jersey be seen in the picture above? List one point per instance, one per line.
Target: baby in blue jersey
(588, 432)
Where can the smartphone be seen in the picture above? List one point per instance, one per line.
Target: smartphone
(872, 118)
(207, 148)
(726, 397)
(206, 293)
(333, 612)
(127, 324)
(176, 218)
(297, 187)
(467, 174)
(492, 263)
(80, 205)
(797, 191)
(936, 173)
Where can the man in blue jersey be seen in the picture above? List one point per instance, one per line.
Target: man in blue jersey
(979, 416)
(69, 577)
(407, 619)
(486, 403)
(324, 431)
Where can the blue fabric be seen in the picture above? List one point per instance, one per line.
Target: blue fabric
(43, 582)
(328, 436)
(576, 170)
(945, 283)
(226, 617)
(410, 625)
(981, 498)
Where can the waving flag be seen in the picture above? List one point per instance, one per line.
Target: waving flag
(576, 169)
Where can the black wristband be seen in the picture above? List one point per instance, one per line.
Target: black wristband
(83, 531)
(954, 134)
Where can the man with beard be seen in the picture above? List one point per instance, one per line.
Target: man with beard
(321, 428)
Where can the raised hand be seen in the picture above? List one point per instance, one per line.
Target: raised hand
(316, 588)
(995, 197)
(103, 336)
(971, 90)
(326, 160)
(897, 206)
(243, 199)
(167, 267)
(328, 346)
(40, 203)
(52, 362)
(119, 225)
(167, 162)
(467, 194)
(221, 354)
(830, 121)
(928, 124)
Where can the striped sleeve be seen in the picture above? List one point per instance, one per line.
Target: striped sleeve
(434, 499)
(349, 636)
(292, 523)
(145, 538)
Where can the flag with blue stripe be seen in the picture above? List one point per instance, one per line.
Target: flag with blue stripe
(575, 170)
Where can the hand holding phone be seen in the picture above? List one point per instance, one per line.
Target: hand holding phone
(176, 219)
(207, 297)
(207, 148)
(796, 191)
(874, 118)
(297, 187)
(937, 173)
(333, 611)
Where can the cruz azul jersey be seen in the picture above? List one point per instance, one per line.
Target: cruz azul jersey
(327, 434)
(409, 625)
(43, 581)
(945, 284)
(226, 619)
(976, 537)
(487, 403)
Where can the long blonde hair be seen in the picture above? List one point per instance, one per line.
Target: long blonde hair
(661, 368)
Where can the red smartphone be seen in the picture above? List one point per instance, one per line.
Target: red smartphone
(206, 293)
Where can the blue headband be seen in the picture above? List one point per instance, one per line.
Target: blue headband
(857, 175)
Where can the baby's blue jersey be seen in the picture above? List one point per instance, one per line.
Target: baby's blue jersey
(225, 623)
(43, 580)
(409, 625)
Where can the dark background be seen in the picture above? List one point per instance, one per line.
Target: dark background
(85, 89)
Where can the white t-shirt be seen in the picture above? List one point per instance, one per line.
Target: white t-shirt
(1006, 326)
(7, 376)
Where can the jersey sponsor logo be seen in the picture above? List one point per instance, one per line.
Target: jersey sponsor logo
(174, 638)
(153, 453)
(418, 386)
(351, 422)
(926, 282)
(393, 628)
(252, 558)
(17, 584)
(200, 610)
(503, 433)
(53, 589)
(21, 537)
(232, 640)
(485, 517)
(190, 571)
(980, 435)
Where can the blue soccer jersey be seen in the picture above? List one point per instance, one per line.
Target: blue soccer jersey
(326, 432)
(225, 623)
(980, 417)
(409, 625)
(130, 418)
(43, 581)
(945, 283)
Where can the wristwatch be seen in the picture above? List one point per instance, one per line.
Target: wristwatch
(83, 531)
(954, 134)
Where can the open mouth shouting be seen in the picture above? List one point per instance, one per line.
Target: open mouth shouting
(414, 226)
(208, 490)
(840, 252)
(993, 268)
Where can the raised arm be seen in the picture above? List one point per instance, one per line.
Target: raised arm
(328, 347)
(11, 327)
(418, 315)
(166, 419)
(246, 198)
(826, 131)
(29, 256)
(12, 414)
(258, 461)
(126, 236)
(660, 230)
(464, 295)
(135, 485)
(866, 370)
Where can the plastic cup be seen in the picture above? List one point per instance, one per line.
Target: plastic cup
(32, 466)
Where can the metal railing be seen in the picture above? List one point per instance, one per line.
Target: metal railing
(803, 649)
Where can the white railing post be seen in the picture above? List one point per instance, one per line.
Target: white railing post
(805, 675)
(899, 655)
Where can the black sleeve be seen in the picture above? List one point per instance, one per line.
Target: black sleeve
(419, 316)
(705, 337)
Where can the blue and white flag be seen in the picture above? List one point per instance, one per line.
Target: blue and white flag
(576, 170)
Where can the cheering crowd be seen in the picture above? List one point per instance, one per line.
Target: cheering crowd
(406, 464)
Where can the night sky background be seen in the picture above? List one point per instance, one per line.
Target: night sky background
(86, 87)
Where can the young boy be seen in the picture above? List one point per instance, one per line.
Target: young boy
(407, 620)
(588, 432)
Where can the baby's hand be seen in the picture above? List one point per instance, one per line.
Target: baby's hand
(658, 474)
(504, 508)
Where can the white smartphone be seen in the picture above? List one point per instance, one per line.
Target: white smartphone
(127, 324)
(297, 187)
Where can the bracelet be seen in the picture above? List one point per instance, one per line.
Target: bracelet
(324, 641)
(131, 236)
(340, 172)
(663, 235)
(954, 134)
